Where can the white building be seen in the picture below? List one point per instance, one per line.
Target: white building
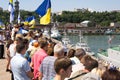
(85, 23)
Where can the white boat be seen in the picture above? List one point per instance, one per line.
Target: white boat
(66, 41)
(109, 31)
(83, 44)
(46, 32)
(111, 55)
(55, 33)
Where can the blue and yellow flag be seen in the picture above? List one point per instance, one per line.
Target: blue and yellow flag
(44, 11)
(11, 10)
(10, 7)
(30, 21)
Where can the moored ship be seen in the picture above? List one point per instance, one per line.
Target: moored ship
(111, 55)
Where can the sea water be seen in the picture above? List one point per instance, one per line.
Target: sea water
(96, 42)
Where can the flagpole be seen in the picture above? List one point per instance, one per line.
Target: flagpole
(51, 24)
(16, 10)
(18, 19)
(11, 10)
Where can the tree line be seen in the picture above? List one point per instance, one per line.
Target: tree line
(95, 18)
(5, 16)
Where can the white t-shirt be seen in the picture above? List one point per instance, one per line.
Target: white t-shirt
(77, 65)
(12, 50)
(2, 39)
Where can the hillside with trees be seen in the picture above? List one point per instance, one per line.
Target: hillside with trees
(96, 18)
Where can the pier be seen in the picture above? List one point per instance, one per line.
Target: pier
(86, 30)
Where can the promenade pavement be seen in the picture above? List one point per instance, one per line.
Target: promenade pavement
(3, 74)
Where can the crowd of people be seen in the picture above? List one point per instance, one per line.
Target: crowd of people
(32, 56)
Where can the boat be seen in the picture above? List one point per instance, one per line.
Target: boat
(55, 33)
(83, 44)
(111, 55)
(110, 32)
(66, 41)
(46, 32)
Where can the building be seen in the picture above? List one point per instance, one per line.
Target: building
(85, 23)
(83, 9)
(112, 24)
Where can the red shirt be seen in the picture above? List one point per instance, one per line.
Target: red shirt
(37, 60)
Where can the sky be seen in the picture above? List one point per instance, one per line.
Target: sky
(68, 5)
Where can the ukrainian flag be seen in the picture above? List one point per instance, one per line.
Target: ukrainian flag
(30, 21)
(10, 7)
(44, 11)
(11, 10)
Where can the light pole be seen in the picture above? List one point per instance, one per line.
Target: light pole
(16, 10)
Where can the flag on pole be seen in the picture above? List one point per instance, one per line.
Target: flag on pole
(44, 11)
(30, 21)
(11, 10)
(19, 18)
(10, 7)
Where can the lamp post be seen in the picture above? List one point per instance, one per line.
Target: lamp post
(16, 10)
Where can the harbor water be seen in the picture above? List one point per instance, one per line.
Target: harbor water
(96, 42)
